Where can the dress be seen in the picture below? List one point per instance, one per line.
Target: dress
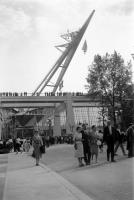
(26, 146)
(79, 145)
(37, 143)
(93, 143)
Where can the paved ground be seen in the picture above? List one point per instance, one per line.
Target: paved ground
(3, 169)
(102, 181)
(25, 181)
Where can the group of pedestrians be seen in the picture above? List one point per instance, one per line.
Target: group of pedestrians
(15, 145)
(21, 145)
(88, 142)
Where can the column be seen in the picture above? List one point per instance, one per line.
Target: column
(56, 128)
(70, 121)
(1, 123)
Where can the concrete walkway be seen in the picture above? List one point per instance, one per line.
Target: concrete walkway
(25, 181)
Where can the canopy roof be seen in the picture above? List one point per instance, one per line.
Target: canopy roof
(27, 119)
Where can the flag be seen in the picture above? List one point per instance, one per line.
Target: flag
(132, 55)
(84, 48)
(60, 85)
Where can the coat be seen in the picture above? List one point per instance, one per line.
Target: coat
(130, 138)
(37, 143)
(107, 137)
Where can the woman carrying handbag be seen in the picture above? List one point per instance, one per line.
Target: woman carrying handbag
(37, 144)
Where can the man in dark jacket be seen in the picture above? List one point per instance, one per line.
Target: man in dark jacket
(120, 138)
(109, 138)
(86, 148)
(130, 140)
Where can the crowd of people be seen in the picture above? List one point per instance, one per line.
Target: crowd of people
(15, 145)
(88, 142)
(15, 94)
(18, 144)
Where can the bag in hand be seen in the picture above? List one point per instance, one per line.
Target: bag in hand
(75, 146)
(42, 149)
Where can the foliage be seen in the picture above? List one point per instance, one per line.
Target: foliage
(109, 79)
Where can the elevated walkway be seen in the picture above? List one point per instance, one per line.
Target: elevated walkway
(45, 101)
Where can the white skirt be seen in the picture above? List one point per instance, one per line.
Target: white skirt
(79, 150)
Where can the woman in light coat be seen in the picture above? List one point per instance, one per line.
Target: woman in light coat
(37, 143)
(78, 145)
(93, 143)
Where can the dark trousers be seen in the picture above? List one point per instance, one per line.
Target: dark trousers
(121, 146)
(110, 151)
(87, 154)
(131, 150)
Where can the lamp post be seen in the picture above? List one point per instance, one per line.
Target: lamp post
(49, 122)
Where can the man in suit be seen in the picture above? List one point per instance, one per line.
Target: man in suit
(86, 148)
(109, 138)
(120, 138)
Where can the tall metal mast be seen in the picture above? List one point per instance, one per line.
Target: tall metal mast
(73, 39)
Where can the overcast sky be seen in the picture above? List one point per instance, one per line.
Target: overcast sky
(29, 30)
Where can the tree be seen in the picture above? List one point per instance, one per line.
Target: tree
(127, 114)
(103, 112)
(109, 78)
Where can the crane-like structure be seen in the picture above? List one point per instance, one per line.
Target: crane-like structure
(68, 50)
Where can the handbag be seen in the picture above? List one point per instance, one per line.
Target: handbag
(75, 146)
(42, 149)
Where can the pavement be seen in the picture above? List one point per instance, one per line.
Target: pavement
(3, 170)
(58, 177)
(24, 180)
(101, 181)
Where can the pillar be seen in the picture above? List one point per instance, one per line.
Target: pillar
(56, 128)
(1, 123)
(70, 121)
(0, 129)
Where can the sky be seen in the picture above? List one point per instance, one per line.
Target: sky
(29, 30)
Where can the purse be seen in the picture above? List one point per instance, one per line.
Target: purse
(42, 149)
(75, 146)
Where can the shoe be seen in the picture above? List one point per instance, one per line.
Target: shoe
(88, 163)
(37, 164)
(81, 165)
(130, 156)
(113, 160)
